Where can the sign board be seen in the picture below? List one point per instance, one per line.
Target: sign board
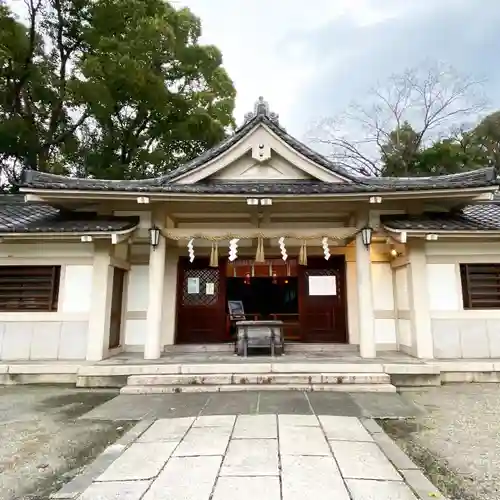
(210, 289)
(322, 285)
(193, 285)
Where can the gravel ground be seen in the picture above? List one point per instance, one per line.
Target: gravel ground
(458, 441)
(42, 442)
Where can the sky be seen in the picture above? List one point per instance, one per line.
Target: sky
(310, 59)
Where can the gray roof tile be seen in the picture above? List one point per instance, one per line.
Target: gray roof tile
(471, 218)
(16, 216)
(478, 178)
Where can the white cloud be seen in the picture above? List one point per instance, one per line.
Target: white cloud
(264, 43)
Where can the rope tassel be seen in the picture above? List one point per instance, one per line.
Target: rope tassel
(214, 255)
(303, 254)
(259, 256)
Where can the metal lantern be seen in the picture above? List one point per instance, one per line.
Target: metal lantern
(154, 236)
(366, 235)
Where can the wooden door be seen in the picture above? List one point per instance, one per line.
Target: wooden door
(115, 322)
(323, 317)
(201, 302)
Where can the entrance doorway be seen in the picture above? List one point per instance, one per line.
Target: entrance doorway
(269, 298)
(273, 290)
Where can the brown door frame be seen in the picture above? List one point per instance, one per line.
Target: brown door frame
(116, 308)
(339, 314)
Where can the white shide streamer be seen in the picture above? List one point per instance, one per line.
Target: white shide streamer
(284, 255)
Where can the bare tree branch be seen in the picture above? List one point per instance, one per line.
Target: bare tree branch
(430, 100)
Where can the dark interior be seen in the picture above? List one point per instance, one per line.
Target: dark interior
(265, 296)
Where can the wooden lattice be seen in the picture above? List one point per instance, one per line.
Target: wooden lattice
(205, 276)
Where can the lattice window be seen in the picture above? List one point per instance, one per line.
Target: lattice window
(208, 276)
(480, 286)
(29, 288)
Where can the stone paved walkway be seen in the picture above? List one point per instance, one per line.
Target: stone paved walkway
(264, 457)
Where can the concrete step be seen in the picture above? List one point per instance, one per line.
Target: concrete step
(240, 379)
(174, 389)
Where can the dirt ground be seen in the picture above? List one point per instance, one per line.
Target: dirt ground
(43, 444)
(457, 442)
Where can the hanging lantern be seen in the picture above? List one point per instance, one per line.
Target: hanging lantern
(190, 247)
(247, 279)
(275, 278)
(366, 236)
(326, 249)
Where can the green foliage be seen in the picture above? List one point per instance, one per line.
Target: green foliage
(109, 88)
(404, 156)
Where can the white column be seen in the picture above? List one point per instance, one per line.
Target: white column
(366, 317)
(170, 297)
(421, 327)
(100, 307)
(152, 346)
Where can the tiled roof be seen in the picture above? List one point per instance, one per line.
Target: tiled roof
(471, 218)
(477, 178)
(16, 216)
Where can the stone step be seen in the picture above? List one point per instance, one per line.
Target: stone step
(241, 379)
(174, 389)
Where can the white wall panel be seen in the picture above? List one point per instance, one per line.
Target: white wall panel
(385, 331)
(138, 288)
(443, 287)
(383, 293)
(135, 331)
(403, 302)
(404, 332)
(76, 289)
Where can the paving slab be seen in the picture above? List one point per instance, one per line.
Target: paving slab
(186, 478)
(204, 441)
(254, 457)
(334, 403)
(120, 490)
(303, 441)
(224, 421)
(122, 407)
(298, 420)
(288, 402)
(363, 461)
(247, 488)
(379, 490)
(255, 427)
(177, 405)
(382, 405)
(139, 461)
(312, 478)
(167, 429)
(232, 404)
(344, 428)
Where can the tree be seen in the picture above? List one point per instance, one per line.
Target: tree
(422, 104)
(109, 88)
(486, 137)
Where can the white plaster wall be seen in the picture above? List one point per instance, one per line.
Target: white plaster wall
(76, 288)
(404, 332)
(385, 332)
(138, 288)
(382, 286)
(401, 282)
(458, 332)
(137, 305)
(60, 334)
(443, 287)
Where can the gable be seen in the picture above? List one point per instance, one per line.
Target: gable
(260, 155)
(247, 168)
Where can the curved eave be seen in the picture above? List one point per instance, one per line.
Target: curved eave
(445, 233)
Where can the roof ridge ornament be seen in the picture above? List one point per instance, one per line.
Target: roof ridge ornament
(261, 108)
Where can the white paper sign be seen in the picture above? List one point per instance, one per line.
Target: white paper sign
(193, 285)
(210, 288)
(322, 285)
